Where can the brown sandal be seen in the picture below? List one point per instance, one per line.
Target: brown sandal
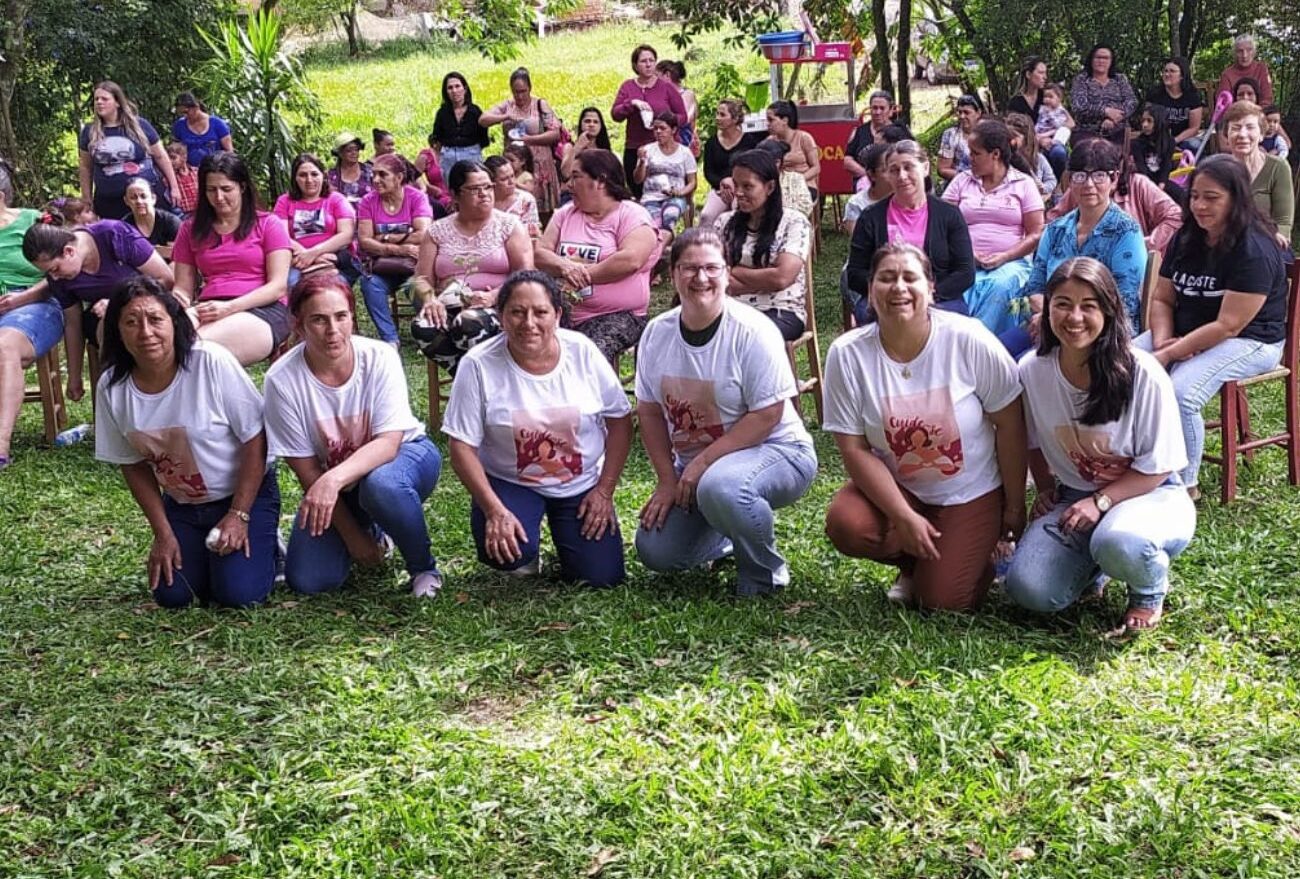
(1141, 619)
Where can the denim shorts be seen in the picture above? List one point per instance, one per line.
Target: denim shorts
(40, 322)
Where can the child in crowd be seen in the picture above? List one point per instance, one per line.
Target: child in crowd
(1054, 121)
(69, 210)
(1275, 141)
(186, 198)
(1153, 149)
(522, 161)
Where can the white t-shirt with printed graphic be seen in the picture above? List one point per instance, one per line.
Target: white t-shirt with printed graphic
(1148, 437)
(306, 418)
(925, 419)
(544, 432)
(704, 390)
(189, 433)
(664, 173)
(793, 235)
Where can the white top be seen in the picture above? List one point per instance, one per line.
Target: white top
(306, 418)
(189, 433)
(664, 173)
(544, 432)
(704, 390)
(925, 419)
(1147, 437)
(793, 235)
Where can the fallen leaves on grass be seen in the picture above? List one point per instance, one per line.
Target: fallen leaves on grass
(599, 861)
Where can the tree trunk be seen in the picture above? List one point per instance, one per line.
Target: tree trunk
(904, 63)
(881, 52)
(349, 19)
(1175, 38)
(1187, 27)
(12, 33)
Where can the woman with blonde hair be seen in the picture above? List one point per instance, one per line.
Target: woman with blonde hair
(115, 147)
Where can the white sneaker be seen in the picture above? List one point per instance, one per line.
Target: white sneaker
(426, 584)
(901, 591)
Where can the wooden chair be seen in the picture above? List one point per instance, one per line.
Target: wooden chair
(811, 346)
(1234, 410)
(439, 393)
(48, 391)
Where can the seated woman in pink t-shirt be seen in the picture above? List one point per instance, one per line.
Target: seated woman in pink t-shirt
(321, 221)
(602, 247)
(242, 254)
(1004, 212)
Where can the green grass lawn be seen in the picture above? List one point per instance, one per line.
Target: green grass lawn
(664, 729)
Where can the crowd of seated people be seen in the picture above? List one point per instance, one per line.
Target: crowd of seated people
(995, 287)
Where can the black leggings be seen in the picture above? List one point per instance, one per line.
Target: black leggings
(629, 167)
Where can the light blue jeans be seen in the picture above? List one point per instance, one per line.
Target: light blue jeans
(989, 298)
(1133, 543)
(449, 156)
(733, 511)
(390, 499)
(374, 292)
(1197, 379)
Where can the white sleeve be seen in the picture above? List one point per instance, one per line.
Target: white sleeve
(997, 383)
(110, 442)
(242, 403)
(466, 411)
(286, 423)
(1026, 368)
(765, 375)
(390, 403)
(689, 165)
(647, 360)
(842, 394)
(1157, 430)
(609, 388)
(796, 236)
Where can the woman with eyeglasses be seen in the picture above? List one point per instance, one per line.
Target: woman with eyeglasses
(391, 223)
(713, 390)
(1096, 228)
(1182, 101)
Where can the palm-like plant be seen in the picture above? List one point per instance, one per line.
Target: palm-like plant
(260, 89)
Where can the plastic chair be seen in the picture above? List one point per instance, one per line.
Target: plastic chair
(1234, 409)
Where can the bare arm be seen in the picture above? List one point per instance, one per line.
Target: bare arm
(319, 501)
(85, 167)
(631, 255)
(870, 476)
(360, 544)
(502, 531)
(277, 281)
(1011, 444)
(770, 279)
(1235, 311)
(165, 553)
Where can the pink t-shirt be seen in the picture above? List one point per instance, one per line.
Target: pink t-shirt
(996, 219)
(311, 222)
(230, 267)
(907, 225)
(585, 240)
(481, 260)
(414, 204)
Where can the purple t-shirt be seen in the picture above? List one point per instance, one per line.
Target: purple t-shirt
(232, 267)
(414, 204)
(122, 250)
(311, 222)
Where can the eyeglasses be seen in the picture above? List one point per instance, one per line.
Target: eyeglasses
(477, 189)
(1078, 178)
(711, 270)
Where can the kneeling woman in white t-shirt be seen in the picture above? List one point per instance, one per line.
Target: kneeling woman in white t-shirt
(713, 390)
(540, 425)
(925, 408)
(182, 415)
(338, 412)
(1104, 430)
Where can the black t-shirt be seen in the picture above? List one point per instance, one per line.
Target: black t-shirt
(166, 226)
(1177, 110)
(1018, 104)
(465, 133)
(862, 138)
(1200, 279)
(717, 158)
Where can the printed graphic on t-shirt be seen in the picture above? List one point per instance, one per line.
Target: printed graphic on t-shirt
(923, 437)
(692, 411)
(169, 453)
(583, 252)
(115, 155)
(392, 228)
(546, 445)
(308, 221)
(1090, 452)
(342, 435)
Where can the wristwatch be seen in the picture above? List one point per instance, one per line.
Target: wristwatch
(1103, 501)
(244, 517)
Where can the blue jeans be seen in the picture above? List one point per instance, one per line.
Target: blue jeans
(1133, 543)
(450, 155)
(1197, 379)
(389, 499)
(225, 580)
(375, 290)
(1056, 157)
(41, 322)
(666, 212)
(733, 512)
(989, 298)
(597, 562)
(345, 263)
